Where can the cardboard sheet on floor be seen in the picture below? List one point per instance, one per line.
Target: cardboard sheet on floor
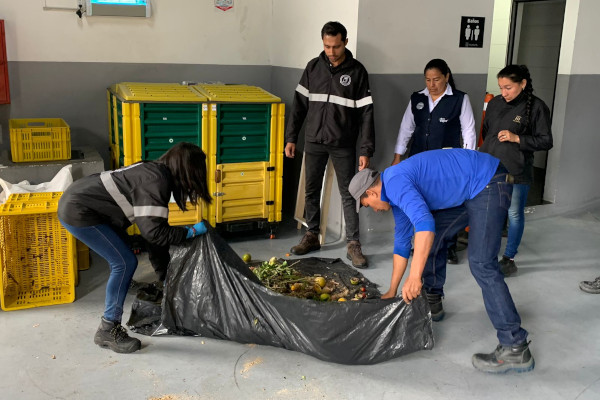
(212, 293)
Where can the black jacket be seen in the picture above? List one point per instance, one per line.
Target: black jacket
(336, 104)
(146, 187)
(534, 134)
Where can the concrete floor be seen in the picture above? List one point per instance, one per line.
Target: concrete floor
(48, 352)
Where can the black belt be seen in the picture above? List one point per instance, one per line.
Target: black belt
(502, 170)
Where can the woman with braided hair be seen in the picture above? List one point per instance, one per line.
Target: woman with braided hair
(516, 124)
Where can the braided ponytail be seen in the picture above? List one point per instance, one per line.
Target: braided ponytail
(517, 73)
(528, 91)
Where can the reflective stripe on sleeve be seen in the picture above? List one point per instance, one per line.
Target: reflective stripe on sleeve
(151, 211)
(302, 90)
(365, 101)
(113, 190)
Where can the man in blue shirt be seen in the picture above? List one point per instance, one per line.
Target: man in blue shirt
(433, 195)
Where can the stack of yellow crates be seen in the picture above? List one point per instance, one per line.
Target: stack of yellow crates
(38, 257)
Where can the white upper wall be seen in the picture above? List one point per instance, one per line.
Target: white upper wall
(400, 37)
(179, 31)
(586, 57)
(296, 34)
(567, 44)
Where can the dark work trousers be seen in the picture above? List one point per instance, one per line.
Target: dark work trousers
(316, 156)
(485, 214)
(159, 258)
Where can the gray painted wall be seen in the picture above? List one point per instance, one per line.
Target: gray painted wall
(76, 92)
(577, 183)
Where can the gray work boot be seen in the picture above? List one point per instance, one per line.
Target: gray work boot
(112, 335)
(435, 304)
(504, 359)
(309, 242)
(355, 255)
(592, 287)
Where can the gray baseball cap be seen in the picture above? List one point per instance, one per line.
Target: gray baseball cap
(361, 182)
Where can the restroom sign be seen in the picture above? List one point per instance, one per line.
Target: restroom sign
(471, 32)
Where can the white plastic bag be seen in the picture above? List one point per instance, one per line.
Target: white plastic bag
(59, 183)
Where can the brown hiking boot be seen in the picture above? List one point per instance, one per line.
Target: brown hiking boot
(355, 255)
(310, 242)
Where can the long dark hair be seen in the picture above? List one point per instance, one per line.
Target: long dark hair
(441, 66)
(517, 73)
(187, 163)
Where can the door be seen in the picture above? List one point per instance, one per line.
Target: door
(535, 36)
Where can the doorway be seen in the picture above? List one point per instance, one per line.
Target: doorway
(534, 37)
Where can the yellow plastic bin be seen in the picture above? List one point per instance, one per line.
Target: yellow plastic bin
(38, 258)
(39, 139)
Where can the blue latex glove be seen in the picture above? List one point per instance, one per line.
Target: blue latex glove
(197, 229)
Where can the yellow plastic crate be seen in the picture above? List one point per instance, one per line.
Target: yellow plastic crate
(39, 139)
(38, 257)
(83, 256)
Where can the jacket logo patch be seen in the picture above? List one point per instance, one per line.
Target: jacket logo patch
(443, 120)
(517, 119)
(345, 80)
(420, 106)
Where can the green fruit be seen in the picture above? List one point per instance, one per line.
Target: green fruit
(247, 257)
(324, 297)
(354, 280)
(273, 260)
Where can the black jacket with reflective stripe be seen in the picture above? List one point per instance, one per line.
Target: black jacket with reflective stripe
(147, 188)
(335, 105)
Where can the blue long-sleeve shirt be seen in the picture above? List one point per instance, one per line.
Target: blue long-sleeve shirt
(429, 181)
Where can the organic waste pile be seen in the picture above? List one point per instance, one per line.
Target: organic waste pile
(211, 292)
(300, 278)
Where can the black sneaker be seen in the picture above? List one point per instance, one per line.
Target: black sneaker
(592, 287)
(113, 336)
(452, 256)
(505, 359)
(435, 304)
(508, 266)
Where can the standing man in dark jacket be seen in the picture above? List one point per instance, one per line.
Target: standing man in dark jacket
(333, 101)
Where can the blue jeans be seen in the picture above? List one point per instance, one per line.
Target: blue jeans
(105, 241)
(485, 215)
(516, 219)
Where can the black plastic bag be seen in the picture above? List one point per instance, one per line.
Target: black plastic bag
(211, 292)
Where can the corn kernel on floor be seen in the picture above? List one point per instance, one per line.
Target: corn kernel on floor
(48, 352)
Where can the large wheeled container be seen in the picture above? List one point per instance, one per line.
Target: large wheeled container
(245, 151)
(146, 120)
(239, 127)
